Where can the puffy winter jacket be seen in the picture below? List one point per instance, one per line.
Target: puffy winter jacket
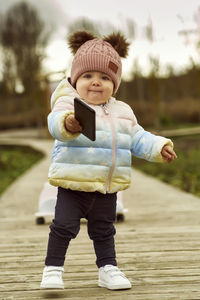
(102, 165)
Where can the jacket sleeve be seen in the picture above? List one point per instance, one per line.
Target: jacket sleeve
(56, 126)
(62, 106)
(147, 145)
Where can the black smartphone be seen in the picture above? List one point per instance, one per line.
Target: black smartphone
(86, 117)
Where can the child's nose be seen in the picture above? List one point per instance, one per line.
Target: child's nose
(96, 82)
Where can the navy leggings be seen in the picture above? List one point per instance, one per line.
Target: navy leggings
(99, 209)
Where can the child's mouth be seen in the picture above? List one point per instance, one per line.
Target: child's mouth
(95, 91)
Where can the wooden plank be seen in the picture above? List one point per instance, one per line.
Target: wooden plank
(136, 277)
(115, 295)
(143, 291)
(158, 247)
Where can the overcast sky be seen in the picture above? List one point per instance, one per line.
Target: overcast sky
(168, 18)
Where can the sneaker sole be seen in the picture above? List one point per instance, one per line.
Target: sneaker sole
(114, 287)
(51, 286)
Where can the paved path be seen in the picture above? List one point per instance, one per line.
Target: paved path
(158, 246)
(180, 132)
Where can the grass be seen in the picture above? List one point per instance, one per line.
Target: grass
(14, 161)
(184, 171)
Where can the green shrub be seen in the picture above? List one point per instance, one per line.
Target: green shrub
(182, 172)
(14, 161)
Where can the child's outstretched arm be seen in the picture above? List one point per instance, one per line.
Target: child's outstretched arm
(61, 122)
(151, 147)
(168, 153)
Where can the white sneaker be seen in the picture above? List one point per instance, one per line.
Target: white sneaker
(52, 278)
(112, 278)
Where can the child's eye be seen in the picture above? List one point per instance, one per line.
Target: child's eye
(105, 77)
(87, 75)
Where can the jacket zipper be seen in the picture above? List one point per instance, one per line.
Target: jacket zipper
(106, 112)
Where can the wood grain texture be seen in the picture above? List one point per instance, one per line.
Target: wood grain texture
(158, 245)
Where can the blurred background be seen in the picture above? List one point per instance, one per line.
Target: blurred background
(161, 75)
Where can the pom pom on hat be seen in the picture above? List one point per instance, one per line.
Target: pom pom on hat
(77, 39)
(119, 43)
(94, 54)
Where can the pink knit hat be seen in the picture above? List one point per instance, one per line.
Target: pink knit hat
(95, 54)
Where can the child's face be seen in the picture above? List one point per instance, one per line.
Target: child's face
(95, 87)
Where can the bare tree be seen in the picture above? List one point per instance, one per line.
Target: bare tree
(99, 28)
(131, 29)
(84, 23)
(149, 32)
(23, 38)
(197, 22)
(155, 88)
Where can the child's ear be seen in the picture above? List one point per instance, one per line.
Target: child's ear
(119, 43)
(79, 38)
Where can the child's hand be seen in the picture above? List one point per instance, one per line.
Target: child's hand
(168, 153)
(72, 124)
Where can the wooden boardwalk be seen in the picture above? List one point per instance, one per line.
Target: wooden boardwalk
(158, 246)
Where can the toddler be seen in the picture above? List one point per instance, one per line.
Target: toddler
(90, 173)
